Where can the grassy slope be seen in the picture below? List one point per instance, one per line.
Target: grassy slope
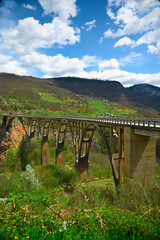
(84, 106)
(23, 93)
(44, 103)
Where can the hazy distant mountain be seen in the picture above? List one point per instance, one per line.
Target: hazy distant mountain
(143, 96)
(146, 89)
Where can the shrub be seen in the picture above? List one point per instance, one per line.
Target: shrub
(53, 175)
(9, 183)
(11, 159)
(28, 179)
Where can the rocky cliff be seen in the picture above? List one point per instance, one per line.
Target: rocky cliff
(12, 138)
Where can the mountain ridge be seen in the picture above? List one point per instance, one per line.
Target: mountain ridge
(114, 91)
(146, 89)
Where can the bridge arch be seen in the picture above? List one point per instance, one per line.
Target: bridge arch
(60, 139)
(85, 146)
(28, 125)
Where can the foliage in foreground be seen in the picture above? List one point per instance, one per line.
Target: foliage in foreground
(26, 216)
(46, 202)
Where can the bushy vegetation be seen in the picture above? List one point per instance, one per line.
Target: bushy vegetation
(28, 216)
(52, 202)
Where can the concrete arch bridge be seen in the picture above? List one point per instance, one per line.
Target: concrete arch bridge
(136, 139)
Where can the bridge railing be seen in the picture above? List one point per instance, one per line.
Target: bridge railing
(131, 122)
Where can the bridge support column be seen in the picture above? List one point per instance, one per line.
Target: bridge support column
(44, 151)
(83, 166)
(139, 157)
(60, 156)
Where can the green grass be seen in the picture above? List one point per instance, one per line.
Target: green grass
(50, 98)
(86, 106)
(28, 216)
(57, 99)
(101, 107)
(41, 111)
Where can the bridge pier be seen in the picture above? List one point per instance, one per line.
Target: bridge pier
(139, 157)
(44, 150)
(60, 155)
(83, 166)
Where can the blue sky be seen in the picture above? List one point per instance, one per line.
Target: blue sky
(97, 39)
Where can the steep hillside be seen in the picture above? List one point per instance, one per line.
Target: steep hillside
(28, 91)
(146, 89)
(112, 90)
(30, 95)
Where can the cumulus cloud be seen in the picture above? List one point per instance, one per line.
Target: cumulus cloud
(59, 65)
(149, 37)
(131, 23)
(54, 66)
(108, 69)
(90, 60)
(134, 17)
(126, 78)
(108, 64)
(11, 66)
(154, 49)
(139, 5)
(110, 13)
(4, 58)
(90, 25)
(29, 34)
(64, 9)
(124, 41)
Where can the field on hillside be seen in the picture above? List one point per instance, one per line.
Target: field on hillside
(38, 101)
(84, 106)
(63, 105)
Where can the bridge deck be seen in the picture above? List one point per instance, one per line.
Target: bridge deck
(153, 124)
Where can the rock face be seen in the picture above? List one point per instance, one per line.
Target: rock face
(12, 138)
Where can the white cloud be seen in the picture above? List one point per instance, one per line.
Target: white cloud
(154, 49)
(139, 5)
(141, 17)
(150, 37)
(124, 41)
(58, 66)
(131, 22)
(4, 58)
(110, 13)
(29, 34)
(124, 77)
(90, 25)
(132, 17)
(108, 64)
(30, 7)
(64, 9)
(54, 66)
(90, 60)
(11, 66)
